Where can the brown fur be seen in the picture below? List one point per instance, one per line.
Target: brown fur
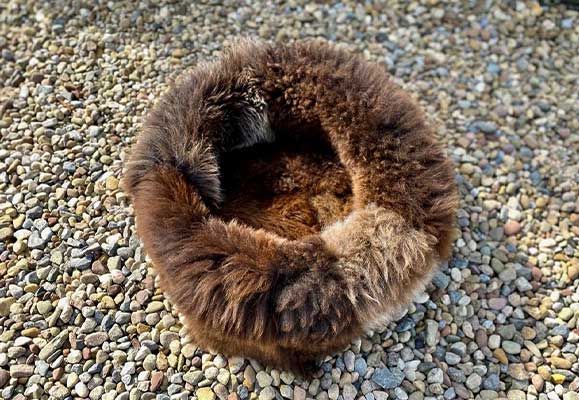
(290, 197)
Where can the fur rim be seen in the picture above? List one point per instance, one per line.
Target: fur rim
(250, 291)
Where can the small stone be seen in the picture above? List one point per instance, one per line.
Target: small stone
(267, 393)
(299, 393)
(528, 333)
(538, 382)
(5, 304)
(435, 376)
(156, 380)
(211, 372)
(96, 339)
(388, 378)
(516, 395)
(518, 371)
(189, 350)
(441, 280)
(431, 332)
(249, 377)
(559, 362)
(193, 377)
(112, 183)
(473, 382)
(511, 347)
(287, 392)
(501, 356)
(349, 359)
(492, 382)
(558, 379)
(81, 389)
(44, 307)
(361, 367)
(452, 358)
(545, 372)
(512, 227)
(6, 233)
(349, 392)
(53, 345)
(205, 393)
(154, 306)
(167, 337)
(264, 379)
(4, 377)
(150, 362)
(21, 371)
(35, 241)
(497, 303)
(566, 314)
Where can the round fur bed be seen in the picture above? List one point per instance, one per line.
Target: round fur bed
(289, 197)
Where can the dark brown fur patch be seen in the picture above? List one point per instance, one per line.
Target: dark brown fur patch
(290, 197)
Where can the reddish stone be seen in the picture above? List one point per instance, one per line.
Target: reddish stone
(156, 380)
(86, 353)
(537, 273)
(57, 373)
(512, 227)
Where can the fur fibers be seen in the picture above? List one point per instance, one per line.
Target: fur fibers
(290, 197)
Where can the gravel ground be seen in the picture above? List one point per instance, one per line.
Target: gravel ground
(80, 312)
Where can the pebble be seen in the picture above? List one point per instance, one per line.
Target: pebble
(388, 378)
(21, 370)
(4, 377)
(205, 393)
(299, 393)
(96, 338)
(511, 347)
(512, 227)
(268, 393)
(264, 379)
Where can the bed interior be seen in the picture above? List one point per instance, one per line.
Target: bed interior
(293, 187)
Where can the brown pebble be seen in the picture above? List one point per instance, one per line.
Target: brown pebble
(142, 296)
(86, 353)
(536, 273)
(106, 370)
(512, 227)
(501, 356)
(149, 282)
(34, 348)
(528, 333)
(481, 338)
(531, 367)
(57, 373)
(4, 377)
(113, 290)
(538, 382)
(156, 380)
(98, 268)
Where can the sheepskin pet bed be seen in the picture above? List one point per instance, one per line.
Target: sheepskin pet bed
(289, 197)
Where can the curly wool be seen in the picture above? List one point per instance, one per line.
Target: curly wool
(289, 197)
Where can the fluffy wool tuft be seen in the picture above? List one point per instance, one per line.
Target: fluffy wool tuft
(290, 197)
